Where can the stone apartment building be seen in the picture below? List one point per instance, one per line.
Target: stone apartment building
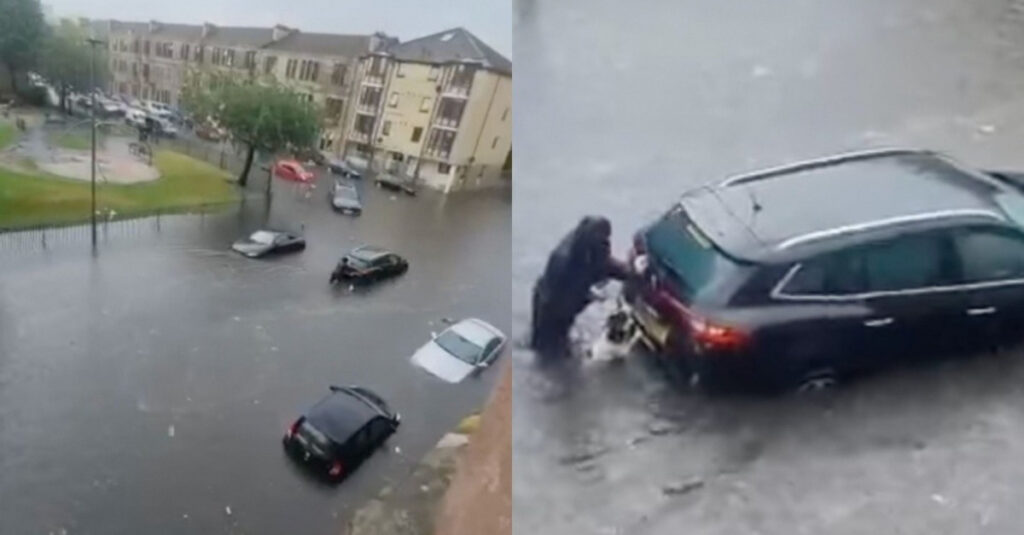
(437, 108)
(149, 60)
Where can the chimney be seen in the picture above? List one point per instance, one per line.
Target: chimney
(207, 29)
(153, 26)
(379, 41)
(280, 32)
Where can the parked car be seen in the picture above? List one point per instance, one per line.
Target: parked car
(467, 347)
(339, 166)
(335, 436)
(292, 170)
(396, 183)
(135, 117)
(266, 242)
(369, 263)
(164, 127)
(209, 132)
(344, 197)
(805, 274)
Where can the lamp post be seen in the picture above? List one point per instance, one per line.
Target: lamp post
(92, 173)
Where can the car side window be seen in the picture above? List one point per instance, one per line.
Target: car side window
(840, 273)
(379, 430)
(989, 255)
(907, 263)
(491, 347)
(363, 439)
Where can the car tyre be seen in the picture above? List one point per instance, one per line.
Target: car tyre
(817, 379)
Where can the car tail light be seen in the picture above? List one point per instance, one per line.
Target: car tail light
(716, 336)
(336, 469)
(293, 428)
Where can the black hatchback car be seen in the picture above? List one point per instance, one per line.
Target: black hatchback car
(800, 275)
(369, 263)
(341, 431)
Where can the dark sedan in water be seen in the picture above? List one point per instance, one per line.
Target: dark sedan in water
(396, 183)
(267, 242)
(344, 198)
(368, 263)
(341, 431)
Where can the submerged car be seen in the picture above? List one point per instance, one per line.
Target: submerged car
(341, 431)
(339, 166)
(396, 183)
(801, 275)
(461, 350)
(266, 242)
(369, 263)
(344, 198)
(292, 170)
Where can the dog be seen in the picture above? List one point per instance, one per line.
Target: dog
(620, 334)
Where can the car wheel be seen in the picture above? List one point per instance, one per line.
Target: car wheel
(817, 379)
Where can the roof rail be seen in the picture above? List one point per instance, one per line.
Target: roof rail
(818, 162)
(861, 227)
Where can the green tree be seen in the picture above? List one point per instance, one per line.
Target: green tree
(66, 58)
(267, 117)
(21, 32)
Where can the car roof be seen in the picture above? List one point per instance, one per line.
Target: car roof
(477, 331)
(340, 414)
(369, 252)
(784, 212)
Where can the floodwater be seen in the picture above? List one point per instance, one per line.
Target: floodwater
(146, 389)
(622, 106)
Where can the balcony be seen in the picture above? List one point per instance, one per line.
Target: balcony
(376, 80)
(359, 137)
(367, 109)
(437, 153)
(446, 122)
(456, 91)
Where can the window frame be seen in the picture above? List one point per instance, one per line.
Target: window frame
(779, 289)
(958, 234)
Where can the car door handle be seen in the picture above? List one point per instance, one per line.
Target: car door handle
(983, 311)
(880, 322)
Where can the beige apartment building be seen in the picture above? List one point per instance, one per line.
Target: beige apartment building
(437, 108)
(149, 60)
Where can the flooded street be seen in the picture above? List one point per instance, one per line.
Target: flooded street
(147, 389)
(619, 108)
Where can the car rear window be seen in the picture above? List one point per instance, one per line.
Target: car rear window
(317, 442)
(683, 254)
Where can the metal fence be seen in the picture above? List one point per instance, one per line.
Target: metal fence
(223, 155)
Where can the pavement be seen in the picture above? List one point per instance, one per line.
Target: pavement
(146, 387)
(630, 104)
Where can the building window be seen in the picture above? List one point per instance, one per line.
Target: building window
(338, 75)
(370, 97)
(309, 71)
(184, 52)
(229, 58)
(145, 48)
(434, 72)
(425, 104)
(198, 54)
(504, 115)
(417, 133)
(449, 112)
(250, 59)
(385, 130)
(215, 56)
(400, 70)
(268, 64)
(333, 108)
(393, 101)
(495, 142)
(440, 142)
(290, 68)
(444, 168)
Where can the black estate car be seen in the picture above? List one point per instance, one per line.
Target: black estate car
(369, 263)
(344, 198)
(803, 274)
(266, 242)
(396, 183)
(341, 431)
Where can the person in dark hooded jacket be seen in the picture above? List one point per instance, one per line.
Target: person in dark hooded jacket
(582, 259)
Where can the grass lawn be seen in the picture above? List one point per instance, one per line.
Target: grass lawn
(7, 133)
(29, 200)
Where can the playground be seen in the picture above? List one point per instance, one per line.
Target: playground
(45, 173)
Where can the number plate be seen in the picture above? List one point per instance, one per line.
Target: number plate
(656, 329)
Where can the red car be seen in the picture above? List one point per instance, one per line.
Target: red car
(292, 170)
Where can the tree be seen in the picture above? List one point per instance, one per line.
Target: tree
(66, 58)
(261, 116)
(21, 32)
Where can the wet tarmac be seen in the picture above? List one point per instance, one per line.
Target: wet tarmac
(628, 104)
(146, 389)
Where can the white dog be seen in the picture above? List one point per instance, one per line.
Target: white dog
(619, 336)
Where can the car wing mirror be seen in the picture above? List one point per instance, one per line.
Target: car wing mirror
(335, 388)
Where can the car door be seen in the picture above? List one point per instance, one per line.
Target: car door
(991, 265)
(914, 310)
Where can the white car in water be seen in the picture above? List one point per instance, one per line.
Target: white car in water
(459, 351)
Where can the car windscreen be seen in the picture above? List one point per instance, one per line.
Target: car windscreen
(459, 347)
(262, 237)
(315, 440)
(682, 254)
(357, 262)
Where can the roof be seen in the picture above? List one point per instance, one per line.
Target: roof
(454, 45)
(323, 43)
(476, 331)
(759, 214)
(239, 36)
(340, 414)
(369, 252)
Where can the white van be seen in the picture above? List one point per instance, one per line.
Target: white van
(135, 117)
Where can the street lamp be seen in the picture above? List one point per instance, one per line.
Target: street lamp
(92, 88)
